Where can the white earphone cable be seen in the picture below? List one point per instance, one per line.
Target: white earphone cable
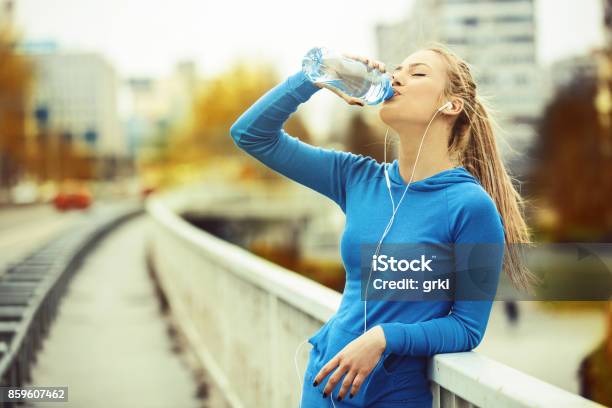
(297, 369)
(395, 208)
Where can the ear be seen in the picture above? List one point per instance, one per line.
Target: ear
(456, 108)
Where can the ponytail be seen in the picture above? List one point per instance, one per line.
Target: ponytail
(472, 143)
(482, 159)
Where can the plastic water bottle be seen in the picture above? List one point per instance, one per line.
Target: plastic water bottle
(352, 77)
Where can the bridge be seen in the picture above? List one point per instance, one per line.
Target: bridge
(91, 309)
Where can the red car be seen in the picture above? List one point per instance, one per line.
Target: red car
(72, 200)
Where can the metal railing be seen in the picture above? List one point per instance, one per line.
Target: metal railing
(244, 317)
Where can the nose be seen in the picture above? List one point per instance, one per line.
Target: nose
(394, 80)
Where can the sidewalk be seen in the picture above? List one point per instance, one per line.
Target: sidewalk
(109, 344)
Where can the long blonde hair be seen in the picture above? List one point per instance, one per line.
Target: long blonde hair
(473, 144)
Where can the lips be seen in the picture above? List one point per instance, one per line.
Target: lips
(395, 94)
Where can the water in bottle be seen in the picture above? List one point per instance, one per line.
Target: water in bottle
(352, 77)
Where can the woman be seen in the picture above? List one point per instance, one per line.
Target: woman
(458, 193)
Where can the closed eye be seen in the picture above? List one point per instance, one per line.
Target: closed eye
(418, 74)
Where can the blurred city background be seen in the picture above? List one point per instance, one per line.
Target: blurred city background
(104, 104)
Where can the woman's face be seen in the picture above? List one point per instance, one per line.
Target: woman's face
(420, 80)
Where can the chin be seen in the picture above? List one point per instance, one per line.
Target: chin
(386, 115)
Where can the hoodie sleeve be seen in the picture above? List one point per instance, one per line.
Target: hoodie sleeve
(478, 251)
(259, 132)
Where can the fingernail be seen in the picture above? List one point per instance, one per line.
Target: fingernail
(315, 383)
(324, 395)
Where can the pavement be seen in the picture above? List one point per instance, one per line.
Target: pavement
(110, 344)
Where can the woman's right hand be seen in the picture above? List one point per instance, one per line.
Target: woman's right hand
(350, 99)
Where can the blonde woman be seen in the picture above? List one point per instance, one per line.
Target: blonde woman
(448, 186)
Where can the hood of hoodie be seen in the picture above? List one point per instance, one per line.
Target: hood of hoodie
(437, 181)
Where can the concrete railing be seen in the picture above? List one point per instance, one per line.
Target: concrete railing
(244, 317)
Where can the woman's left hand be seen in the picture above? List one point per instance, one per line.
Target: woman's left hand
(356, 360)
(371, 63)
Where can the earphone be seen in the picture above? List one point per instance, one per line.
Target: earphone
(447, 105)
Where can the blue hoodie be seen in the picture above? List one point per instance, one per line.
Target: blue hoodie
(450, 206)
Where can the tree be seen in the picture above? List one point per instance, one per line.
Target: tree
(15, 82)
(571, 168)
(217, 106)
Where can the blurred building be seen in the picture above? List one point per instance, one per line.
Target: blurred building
(153, 105)
(76, 93)
(139, 120)
(497, 38)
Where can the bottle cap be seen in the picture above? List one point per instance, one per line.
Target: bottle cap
(388, 92)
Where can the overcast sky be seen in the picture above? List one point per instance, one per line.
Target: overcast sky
(146, 37)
